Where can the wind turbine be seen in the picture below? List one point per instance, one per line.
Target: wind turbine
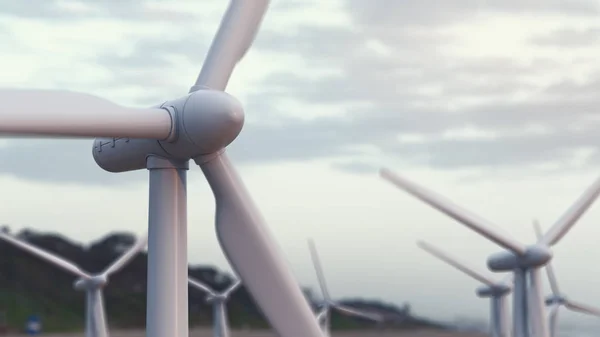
(95, 317)
(323, 315)
(558, 299)
(219, 303)
(163, 139)
(524, 261)
(496, 291)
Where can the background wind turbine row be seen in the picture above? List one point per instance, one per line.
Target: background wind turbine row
(92, 284)
(524, 261)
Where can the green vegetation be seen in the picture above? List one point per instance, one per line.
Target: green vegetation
(31, 286)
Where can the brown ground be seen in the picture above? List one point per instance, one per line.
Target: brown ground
(239, 333)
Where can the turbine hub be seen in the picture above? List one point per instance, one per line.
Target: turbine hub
(99, 281)
(206, 121)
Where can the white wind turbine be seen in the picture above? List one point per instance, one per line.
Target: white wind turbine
(525, 261)
(323, 315)
(558, 299)
(219, 303)
(496, 291)
(163, 139)
(95, 317)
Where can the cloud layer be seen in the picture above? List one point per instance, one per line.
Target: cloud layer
(449, 86)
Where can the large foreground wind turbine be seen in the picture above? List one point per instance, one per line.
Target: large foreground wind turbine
(525, 261)
(558, 299)
(95, 317)
(219, 303)
(323, 315)
(496, 291)
(163, 139)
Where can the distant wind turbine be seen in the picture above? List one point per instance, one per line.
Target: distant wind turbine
(219, 302)
(496, 291)
(95, 316)
(323, 315)
(558, 299)
(525, 261)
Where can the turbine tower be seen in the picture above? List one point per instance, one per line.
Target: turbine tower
(95, 316)
(219, 303)
(323, 315)
(525, 261)
(558, 299)
(196, 126)
(496, 291)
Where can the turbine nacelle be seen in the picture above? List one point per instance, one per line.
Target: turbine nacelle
(204, 122)
(486, 291)
(97, 281)
(535, 256)
(216, 298)
(554, 299)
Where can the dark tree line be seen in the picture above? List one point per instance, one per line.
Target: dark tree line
(29, 286)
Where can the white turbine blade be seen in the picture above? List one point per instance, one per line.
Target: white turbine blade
(570, 217)
(583, 308)
(451, 260)
(442, 204)
(72, 114)
(127, 256)
(357, 313)
(236, 34)
(549, 268)
(318, 269)
(199, 285)
(254, 255)
(44, 255)
(233, 287)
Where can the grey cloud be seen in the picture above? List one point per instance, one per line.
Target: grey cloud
(420, 61)
(154, 53)
(506, 152)
(497, 156)
(384, 97)
(356, 167)
(327, 44)
(113, 9)
(569, 38)
(569, 89)
(391, 13)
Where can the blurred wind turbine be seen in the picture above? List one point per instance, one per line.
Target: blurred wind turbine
(558, 299)
(525, 261)
(95, 316)
(323, 315)
(496, 291)
(219, 303)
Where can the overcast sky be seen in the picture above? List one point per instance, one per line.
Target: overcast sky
(491, 103)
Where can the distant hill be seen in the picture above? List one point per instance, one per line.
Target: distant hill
(29, 285)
